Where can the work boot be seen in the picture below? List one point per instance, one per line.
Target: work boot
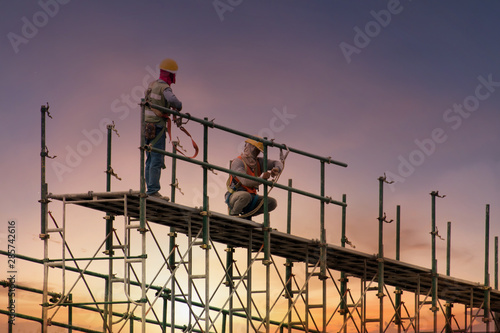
(158, 195)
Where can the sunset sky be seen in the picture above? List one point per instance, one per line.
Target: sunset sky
(406, 88)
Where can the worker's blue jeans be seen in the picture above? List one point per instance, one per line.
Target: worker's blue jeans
(154, 163)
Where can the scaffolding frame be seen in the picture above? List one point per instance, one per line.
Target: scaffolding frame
(196, 293)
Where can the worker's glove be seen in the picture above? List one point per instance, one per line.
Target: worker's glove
(275, 171)
(177, 121)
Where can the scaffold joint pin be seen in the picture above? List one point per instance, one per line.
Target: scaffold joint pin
(205, 246)
(113, 128)
(267, 262)
(323, 277)
(384, 179)
(436, 194)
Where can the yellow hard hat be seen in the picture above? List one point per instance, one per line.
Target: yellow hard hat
(259, 145)
(169, 65)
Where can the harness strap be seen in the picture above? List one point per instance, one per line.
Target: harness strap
(237, 182)
(252, 205)
(168, 129)
(195, 146)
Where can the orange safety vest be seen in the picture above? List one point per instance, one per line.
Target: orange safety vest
(234, 182)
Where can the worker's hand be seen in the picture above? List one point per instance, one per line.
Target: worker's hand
(275, 171)
(266, 175)
(178, 121)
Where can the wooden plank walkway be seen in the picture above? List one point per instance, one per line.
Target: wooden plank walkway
(237, 232)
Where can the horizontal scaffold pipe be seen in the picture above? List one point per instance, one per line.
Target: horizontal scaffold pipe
(6, 284)
(52, 323)
(177, 299)
(73, 269)
(244, 175)
(244, 315)
(246, 135)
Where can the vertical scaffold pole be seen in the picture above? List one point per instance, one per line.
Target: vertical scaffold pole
(108, 307)
(398, 232)
(448, 305)
(434, 233)
(249, 281)
(343, 277)
(398, 290)
(172, 236)
(142, 219)
(496, 262)
(230, 284)
(206, 226)
(44, 221)
(486, 317)
(496, 315)
(380, 258)
(206, 237)
(448, 249)
(323, 274)
(434, 265)
(70, 313)
(289, 263)
(267, 245)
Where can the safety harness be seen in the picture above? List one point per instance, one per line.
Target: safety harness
(167, 125)
(233, 184)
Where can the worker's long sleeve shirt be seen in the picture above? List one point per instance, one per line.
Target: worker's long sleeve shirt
(172, 100)
(238, 166)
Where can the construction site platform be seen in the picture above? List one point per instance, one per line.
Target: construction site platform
(242, 233)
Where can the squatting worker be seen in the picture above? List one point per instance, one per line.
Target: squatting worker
(160, 93)
(242, 196)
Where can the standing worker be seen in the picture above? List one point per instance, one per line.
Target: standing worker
(241, 195)
(160, 93)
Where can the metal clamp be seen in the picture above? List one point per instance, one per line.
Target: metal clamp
(176, 185)
(436, 194)
(112, 173)
(384, 219)
(384, 179)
